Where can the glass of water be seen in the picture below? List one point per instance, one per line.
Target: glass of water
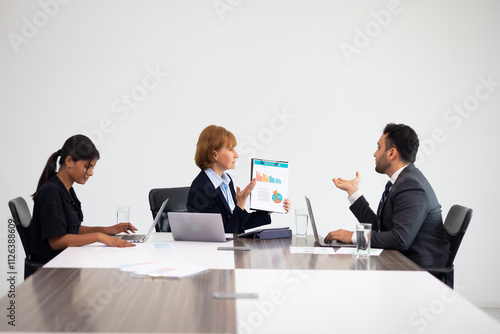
(123, 214)
(301, 222)
(363, 236)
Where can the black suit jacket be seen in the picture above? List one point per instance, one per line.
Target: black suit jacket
(204, 197)
(410, 220)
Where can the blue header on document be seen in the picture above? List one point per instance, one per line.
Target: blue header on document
(282, 164)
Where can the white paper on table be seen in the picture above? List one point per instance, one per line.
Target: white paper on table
(131, 267)
(312, 250)
(352, 251)
(155, 246)
(161, 269)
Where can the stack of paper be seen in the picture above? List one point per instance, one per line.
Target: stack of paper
(331, 250)
(161, 269)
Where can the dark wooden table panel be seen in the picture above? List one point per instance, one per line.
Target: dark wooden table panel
(275, 254)
(87, 300)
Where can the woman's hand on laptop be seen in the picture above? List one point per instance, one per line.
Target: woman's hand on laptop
(113, 241)
(340, 235)
(119, 228)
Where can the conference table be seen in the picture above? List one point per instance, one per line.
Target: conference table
(278, 286)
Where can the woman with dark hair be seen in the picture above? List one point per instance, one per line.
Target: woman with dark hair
(212, 191)
(57, 213)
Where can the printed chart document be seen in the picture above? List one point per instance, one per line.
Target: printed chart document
(272, 185)
(161, 269)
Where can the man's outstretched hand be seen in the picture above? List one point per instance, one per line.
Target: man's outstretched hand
(351, 186)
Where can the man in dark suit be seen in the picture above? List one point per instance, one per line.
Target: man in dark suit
(409, 215)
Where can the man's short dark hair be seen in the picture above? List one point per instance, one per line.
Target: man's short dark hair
(404, 139)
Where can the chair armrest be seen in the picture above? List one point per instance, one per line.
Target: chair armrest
(442, 270)
(34, 263)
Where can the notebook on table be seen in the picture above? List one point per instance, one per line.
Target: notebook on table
(268, 233)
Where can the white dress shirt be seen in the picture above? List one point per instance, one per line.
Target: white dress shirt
(217, 182)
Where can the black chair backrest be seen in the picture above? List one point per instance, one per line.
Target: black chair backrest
(176, 203)
(22, 218)
(456, 223)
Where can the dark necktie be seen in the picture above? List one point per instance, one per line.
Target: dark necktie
(382, 200)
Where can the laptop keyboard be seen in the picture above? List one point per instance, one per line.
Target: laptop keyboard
(133, 237)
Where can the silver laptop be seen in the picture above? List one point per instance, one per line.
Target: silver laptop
(139, 238)
(319, 239)
(196, 226)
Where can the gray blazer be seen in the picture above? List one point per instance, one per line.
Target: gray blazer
(411, 220)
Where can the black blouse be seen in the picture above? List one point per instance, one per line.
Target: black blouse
(56, 212)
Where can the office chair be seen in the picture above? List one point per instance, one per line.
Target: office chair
(176, 203)
(456, 224)
(22, 218)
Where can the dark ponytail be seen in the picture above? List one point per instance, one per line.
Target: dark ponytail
(78, 147)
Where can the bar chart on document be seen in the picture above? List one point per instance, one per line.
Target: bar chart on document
(271, 187)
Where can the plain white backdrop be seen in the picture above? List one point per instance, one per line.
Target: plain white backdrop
(310, 82)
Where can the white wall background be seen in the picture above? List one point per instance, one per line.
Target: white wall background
(272, 72)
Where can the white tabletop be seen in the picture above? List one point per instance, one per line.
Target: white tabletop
(293, 301)
(160, 247)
